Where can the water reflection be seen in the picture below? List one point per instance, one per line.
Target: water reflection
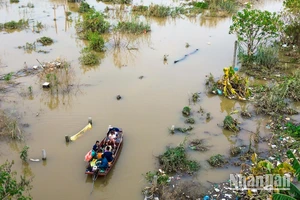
(231, 136)
(26, 170)
(63, 87)
(211, 22)
(227, 105)
(125, 48)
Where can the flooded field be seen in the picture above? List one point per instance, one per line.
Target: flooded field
(148, 107)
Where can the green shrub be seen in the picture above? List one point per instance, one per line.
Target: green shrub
(84, 7)
(94, 21)
(186, 111)
(96, 42)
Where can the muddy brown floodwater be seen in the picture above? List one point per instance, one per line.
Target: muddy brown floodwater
(148, 107)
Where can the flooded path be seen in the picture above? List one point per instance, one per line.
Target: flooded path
(147, 108)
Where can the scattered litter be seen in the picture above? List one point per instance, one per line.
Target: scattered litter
(273, 146)
(34, 160)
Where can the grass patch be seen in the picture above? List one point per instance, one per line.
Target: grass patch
(198, 145)
(133, 26)
(273, 100)
(117, 1)
(217, 160)
(14, 1)
(9, 127)
(13, 25)
(221, 8)
(175, 160)
(267, 57)
(8, 76)
(202, 5)
(45, 41)
(182, 130)
(158, 10)
(89, 58)
(190, 121)
(29, 47)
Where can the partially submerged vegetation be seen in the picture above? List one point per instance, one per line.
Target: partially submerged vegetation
(9, 127)
(88, 58)
(14, 25)
(175, 160)
(198, 145)
(232, 85)
(217, 160)
(45, 41)
(133, 26)
(231, 124)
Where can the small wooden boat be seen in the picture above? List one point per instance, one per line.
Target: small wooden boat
(116, 152)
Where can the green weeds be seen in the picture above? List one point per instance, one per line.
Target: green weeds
(8, 76)
(217, 160)
(13, 25)
(133, 26)
(89, 58)
(96, 42)
(186, 111)
(175, 160)
(24, 153)
(45, 41)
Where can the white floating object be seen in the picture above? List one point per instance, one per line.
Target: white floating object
(34, 160)
(273, 146)
(208, 43)
(46, 85)
(35, 67)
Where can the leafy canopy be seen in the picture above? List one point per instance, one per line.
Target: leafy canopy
(254, 28)
(10, 188)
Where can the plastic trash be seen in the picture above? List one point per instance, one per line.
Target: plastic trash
(236, 69)
(206, 198)
(219, 92)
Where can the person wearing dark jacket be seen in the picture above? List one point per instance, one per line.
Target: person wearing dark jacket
(96, 146)
(108, 154)
(102, 163)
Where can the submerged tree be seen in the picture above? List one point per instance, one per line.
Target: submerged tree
(254, 28)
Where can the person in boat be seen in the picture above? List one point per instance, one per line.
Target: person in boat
(96, 146)
(102, 163)
(111, 138)
(111, 128)
(108, 154)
